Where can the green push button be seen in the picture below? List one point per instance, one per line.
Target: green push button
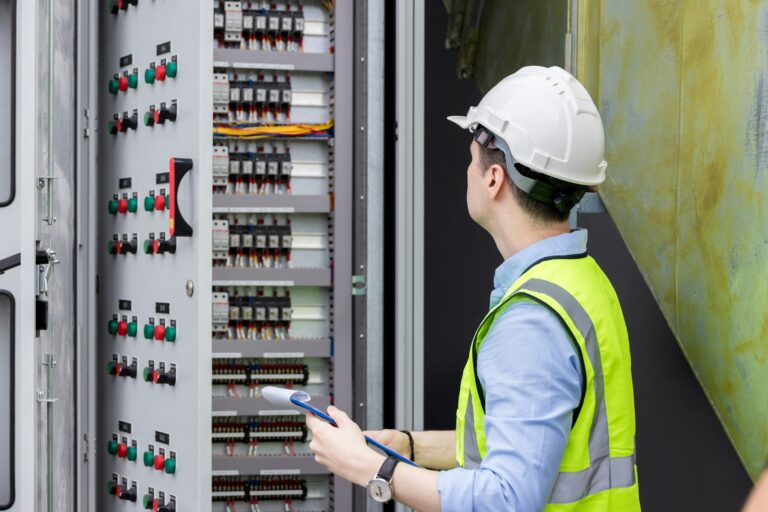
(147, 500)
(112, 327)
(149, 204)
(170, 333)
(171, 69)
(114, 86)
(133, 205)
(170, 466)
(149, 120)
(112, 249)
(111, 368)
(149, 76)
(111, 487)
(133, 80)
(147, 377)
(113, 7)
(132, 452)
(149, 330)
(132, 329)
(149, 457)
(112, 447)
(112, 207)
(148, 249)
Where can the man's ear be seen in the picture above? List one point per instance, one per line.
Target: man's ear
(496, 180)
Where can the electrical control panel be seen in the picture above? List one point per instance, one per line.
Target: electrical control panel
(154, 277)
(225, 249)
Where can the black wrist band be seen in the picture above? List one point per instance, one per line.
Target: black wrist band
(410, 443)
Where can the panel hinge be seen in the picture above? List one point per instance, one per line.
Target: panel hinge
(85, 446)
(358, 285)
(87, 123)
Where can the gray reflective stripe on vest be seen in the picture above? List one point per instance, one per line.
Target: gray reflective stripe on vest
(604, 472)
(472, 456)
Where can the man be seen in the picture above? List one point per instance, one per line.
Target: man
(546, 408)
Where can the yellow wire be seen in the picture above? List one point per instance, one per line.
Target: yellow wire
(266, 131)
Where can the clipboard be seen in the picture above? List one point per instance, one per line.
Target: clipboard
(289, 397)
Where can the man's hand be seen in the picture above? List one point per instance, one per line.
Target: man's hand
(343, 450)
(393, 439)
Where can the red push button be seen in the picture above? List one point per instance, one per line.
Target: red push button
(155, 376)
(159, 332)
(122, 450)
(159, 462)
(122, 206)
(160, 72)
(122, 328)
(123, 83)
(160, 202)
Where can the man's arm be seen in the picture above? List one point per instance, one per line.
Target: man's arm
(343, 451)
(433, 449)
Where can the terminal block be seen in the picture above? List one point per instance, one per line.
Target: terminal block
(256, 429)
(252, 97)
(248, 26)
(262, 488)
(252, 172)
(255, 372)
(257, 316)
(255, 240)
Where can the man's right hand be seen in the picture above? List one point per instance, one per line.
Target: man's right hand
(393, 439)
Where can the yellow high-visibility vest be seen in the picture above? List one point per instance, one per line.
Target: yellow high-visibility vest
(598, 471)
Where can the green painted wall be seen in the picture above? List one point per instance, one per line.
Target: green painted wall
(683, 90)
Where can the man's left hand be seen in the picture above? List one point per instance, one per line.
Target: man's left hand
(343, 450)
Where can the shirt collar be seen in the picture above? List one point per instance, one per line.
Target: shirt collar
(510, 271)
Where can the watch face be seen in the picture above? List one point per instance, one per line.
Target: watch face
(379, 490)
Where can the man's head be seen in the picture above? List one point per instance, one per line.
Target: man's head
(490, 189)
(538, 145)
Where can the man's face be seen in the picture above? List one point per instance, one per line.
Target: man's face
(477, 195)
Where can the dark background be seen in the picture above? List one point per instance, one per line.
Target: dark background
(685, 460)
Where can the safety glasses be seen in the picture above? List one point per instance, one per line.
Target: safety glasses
(484, 138)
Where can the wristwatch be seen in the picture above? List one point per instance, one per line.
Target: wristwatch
(380, 486)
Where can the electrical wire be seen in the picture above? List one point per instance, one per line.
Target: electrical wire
(266, 132)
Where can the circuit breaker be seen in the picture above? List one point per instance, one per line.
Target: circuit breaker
(224, 226)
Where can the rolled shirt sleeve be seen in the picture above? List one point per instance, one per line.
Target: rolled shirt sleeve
(532, 377)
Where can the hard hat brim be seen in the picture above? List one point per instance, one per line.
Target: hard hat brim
(462, 121)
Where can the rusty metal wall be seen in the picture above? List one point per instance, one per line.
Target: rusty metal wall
(683, 90)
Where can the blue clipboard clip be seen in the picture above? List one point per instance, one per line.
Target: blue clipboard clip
(320, 414)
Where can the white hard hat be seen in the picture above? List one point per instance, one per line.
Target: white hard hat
(544, 119)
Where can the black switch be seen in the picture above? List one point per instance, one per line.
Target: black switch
(166, 114)
(128, 494)
(129, 371)
(128, 246)
(131, 122)
(168, 377)
(166, 246)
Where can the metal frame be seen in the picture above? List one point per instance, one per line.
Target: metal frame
(342, 215)
(21, 240)
(85, 171)
(409, 295)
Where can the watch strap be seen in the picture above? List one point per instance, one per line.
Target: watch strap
(387, 469)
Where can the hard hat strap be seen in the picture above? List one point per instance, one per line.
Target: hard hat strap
(543, 191)
(488, 139)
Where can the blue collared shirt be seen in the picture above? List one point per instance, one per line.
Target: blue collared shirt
(531, 374)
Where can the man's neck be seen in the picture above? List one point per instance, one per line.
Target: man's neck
(513, 238)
